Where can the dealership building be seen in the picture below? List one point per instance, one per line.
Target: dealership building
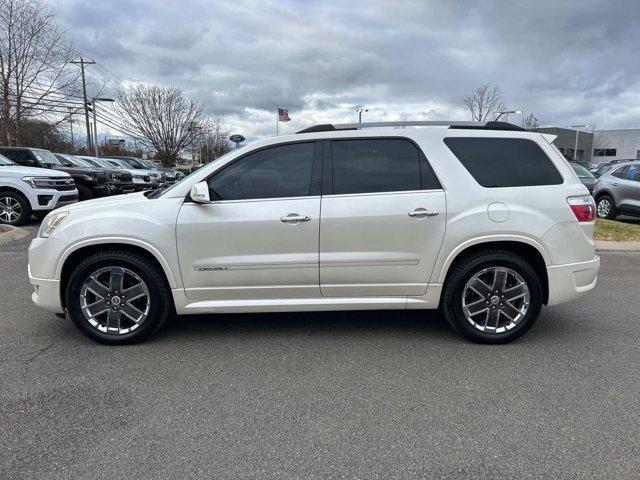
(599, 146)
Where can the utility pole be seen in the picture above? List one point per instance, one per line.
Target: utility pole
(82, 62)
(95, 127)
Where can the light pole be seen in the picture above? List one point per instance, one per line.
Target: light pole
(575, 148)
(95, 128)
(360, 109)
(504, 112)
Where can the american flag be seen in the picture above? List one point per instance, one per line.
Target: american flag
(283, 115)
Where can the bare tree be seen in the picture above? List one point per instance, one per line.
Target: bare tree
(34, 65)
(404, 117)
(531, 123)
(483, 102)
(214, 141)
(161, 117)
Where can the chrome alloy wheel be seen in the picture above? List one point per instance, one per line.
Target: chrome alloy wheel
(115, 300)
(495, 299)
(10, 209)
(604, 207)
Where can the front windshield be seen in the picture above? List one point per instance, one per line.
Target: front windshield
(79, 161)
(581, 171)
(604, 169)
(5, 162)
(111, 163)
(46, 157)
(105, 164)
(64, 161)
(131, 162)
(91, 162)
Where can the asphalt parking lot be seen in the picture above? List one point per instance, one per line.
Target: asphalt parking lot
(375, 395)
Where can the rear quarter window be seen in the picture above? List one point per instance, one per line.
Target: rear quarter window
(504, 162)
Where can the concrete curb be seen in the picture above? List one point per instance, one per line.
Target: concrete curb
(13, 234)
(609, 246)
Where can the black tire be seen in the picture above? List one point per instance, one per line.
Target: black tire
(84, 193)
(160, 299)
(452, 296)
(611, 212)
(8, 198)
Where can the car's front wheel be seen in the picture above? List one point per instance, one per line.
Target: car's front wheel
(492, 297)
(606, 207)
(14, 208)
(118, 297)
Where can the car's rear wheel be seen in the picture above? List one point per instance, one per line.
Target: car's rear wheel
(606, 207)
(14, 208)
(118, 297)
(492, 297)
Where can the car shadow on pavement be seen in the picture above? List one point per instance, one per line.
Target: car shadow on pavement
(429, 323)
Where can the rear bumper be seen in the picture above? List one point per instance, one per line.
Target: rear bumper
(571, 281)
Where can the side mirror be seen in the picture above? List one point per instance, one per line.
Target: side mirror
(200, 193)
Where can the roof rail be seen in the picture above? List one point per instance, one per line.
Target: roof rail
(328, 127)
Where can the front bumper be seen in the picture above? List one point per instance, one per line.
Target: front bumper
(49, 199)
(44, 254)
(46, 293)
(570, 281)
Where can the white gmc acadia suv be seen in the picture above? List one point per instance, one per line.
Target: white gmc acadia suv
(30, 190)
(483, 220)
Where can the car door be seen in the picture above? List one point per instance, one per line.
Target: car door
(626, 189)
(383, 219)
(258, 239)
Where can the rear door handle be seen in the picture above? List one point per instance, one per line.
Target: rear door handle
(423, 212)
(615, 184)
(295, 218)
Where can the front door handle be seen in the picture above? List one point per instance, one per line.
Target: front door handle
(423, 212)
(615, 184)
(295, 218)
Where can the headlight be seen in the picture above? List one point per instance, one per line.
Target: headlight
(51, 222)
(44, 182)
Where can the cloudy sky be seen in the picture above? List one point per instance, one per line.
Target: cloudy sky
(566, 61)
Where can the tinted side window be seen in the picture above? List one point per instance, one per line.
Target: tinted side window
(378, 165)
(21, 157)
(621, 172)
(504, 162)
(282, 171)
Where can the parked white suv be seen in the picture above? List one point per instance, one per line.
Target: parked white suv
(485, 221)
(29, 190)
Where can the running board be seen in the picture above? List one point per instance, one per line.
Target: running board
(299, 305)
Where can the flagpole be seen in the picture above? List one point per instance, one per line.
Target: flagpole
(277, 122)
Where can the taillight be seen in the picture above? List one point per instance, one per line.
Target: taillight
(583, 207)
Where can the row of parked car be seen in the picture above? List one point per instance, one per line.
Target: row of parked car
(614, 185)
(34, 181)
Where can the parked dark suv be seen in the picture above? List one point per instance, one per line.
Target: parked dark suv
(118, 181)
(89, 182)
